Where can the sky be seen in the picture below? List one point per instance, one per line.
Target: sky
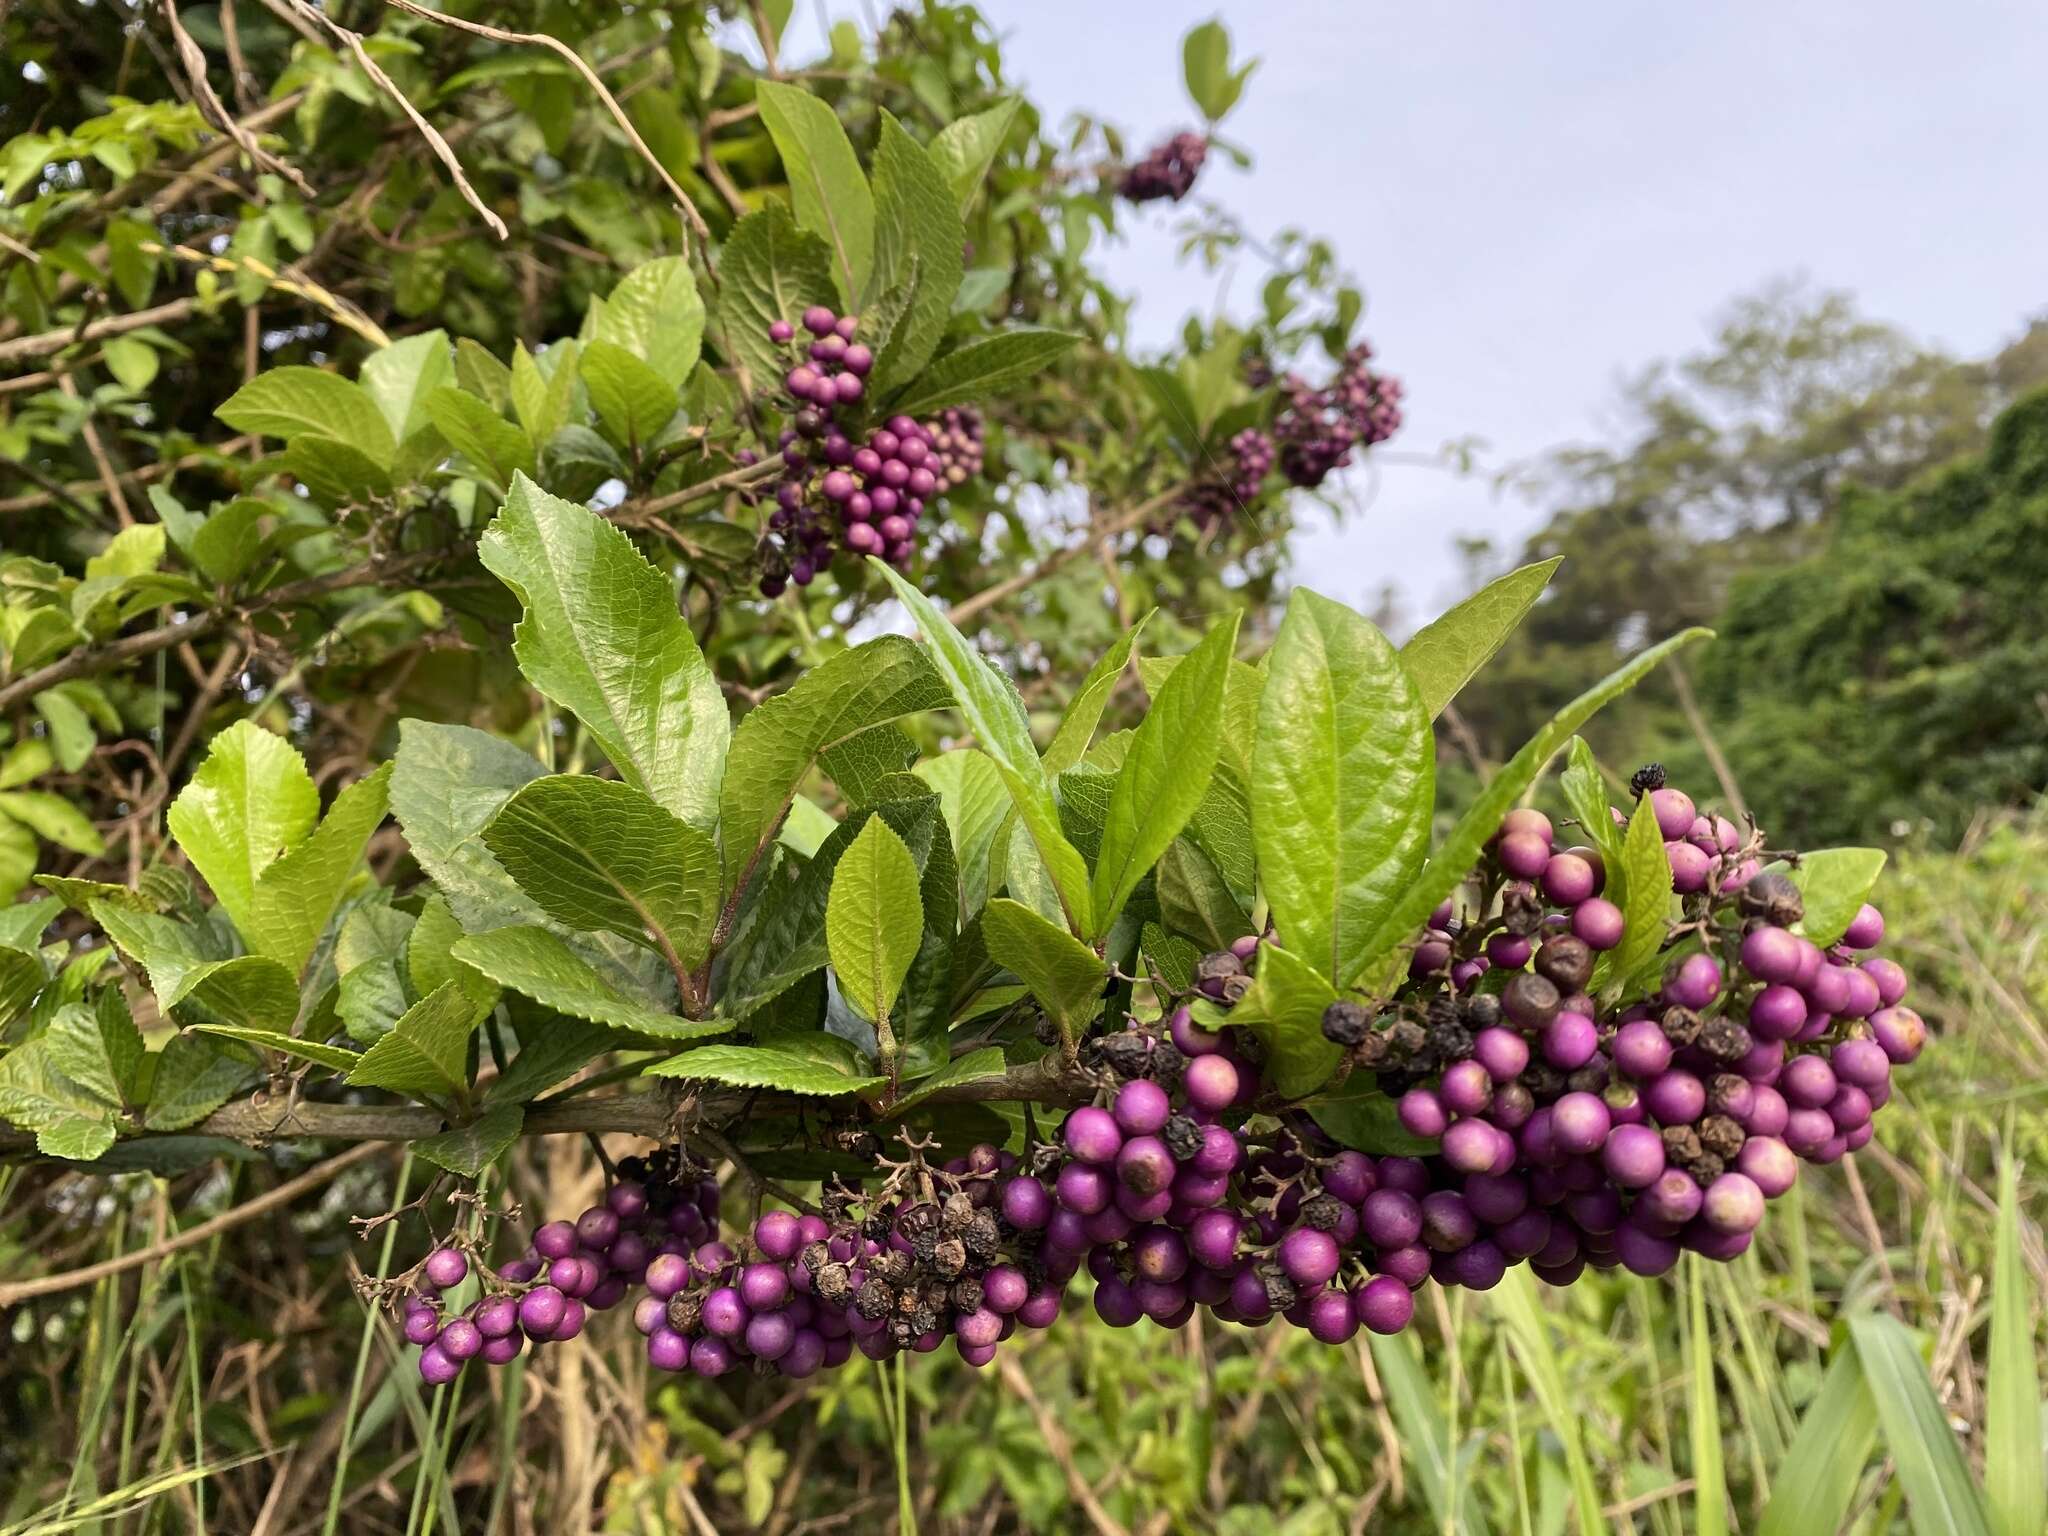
(1539, 199)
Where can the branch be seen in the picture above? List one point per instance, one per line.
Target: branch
(967, 608)
(195, 67)
(45, 342)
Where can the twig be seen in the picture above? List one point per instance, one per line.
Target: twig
(161, 470)
(967, 608)
(1682, 684)
(45, 342)
(195, 68)
(89, 433)
(284, 1194)
(684, 206)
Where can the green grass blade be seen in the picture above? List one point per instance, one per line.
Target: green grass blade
(2013, 1480)
(1710, 1486)
(1813, 1488)
(1530, 1335)
(1941, 1500)
(1425, 1437)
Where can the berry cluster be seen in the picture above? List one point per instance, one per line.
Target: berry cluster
(865, 496)
(1658, 1124)
(956, 439)
(1208, 502)
(661, 1207)
(1167, 171)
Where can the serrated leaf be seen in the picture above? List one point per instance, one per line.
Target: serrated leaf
(292, 401)
(984, 367)
(966, 147)
(1460, 850)
(763, 1066)
(398, 378)
(77, 1046)
(1343, 779)
(975, 803)
(296, 896)
(224, 546)
(1284, 1010)
(68, 1119)
(594, 853)
(632, 400)
(1084, 711)
(989, 703)
(1585, 793)
(194, 1077)
(538, 964)
(369, 959)
(974, 1067)
(427, 1051)
(863, 763)
(332, 1056)
(769, 270)
(1165, 774)
(874, 919)
(1444, 654)
(250, 800)
(540, 400)
(656, 313)
(1640, 883)
(1065, 975)
(447, 782)
(1195, 899)
(337, 473)
(1835, 883)
(602, 637)
(249, 990)
(497, 448)
(776, 744)
(469, 1149)
(826, 187)
(556, 1048)
(918, 240)
(54, 819)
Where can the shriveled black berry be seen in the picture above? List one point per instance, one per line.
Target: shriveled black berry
(1566, 960)
(833, 1283)
(1406, 1038)
(957, 1210)
(1045, 1032)
(1169, 1066)
(1449, 1040)
(982, 1240)
(1480, 1011)
(1126, 1053)
(1183, 1137)
(1771, 897)
(1722, 1136)
(1591, 1078)
(892, 1266)
(876, 1228)
(1521, 911)
(1234, 989)
(1646, 780)
(1372, 1051)
(1323, 1212)
(1681, 1144)
(1543, 1080)
(1681, 1026)
(1706, 1168)
(1724, 1089)
(1216, 966)
(1724, 1039)
(1532, 1001)
(685, 1310)
(949, 1257)
(965, 1295)
(876, 1299)
(815, 1257)
(1280, 1291)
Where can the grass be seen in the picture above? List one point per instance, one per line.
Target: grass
(1873, 1366)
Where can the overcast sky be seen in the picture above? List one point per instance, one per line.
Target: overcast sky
(1540, 198)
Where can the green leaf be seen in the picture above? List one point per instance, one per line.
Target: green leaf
(447, 782)
(430, 959)
(550, 1051)
(826, 186)
(250, 800)
(1196, 900)
(99, 1054)
(1084, 710)
(23, 974)
(1425, 1438)
(965, 148)
(1358, 1115)
(538, 964)
(1284, 1009)
(481, 373)
(52, 818)
(336, 473)
(293, 401)
(1815, 1483)
(249, 991)
(1166, 772)
(542, 400)
(776, 744)
(763, 1066)
(656, 313)
(984, 367)
(1205, 65)
(769, 270)
(874, 919)
(1460, 850)
(1710, 1484)
(864, 764)
(975, 803)
(496, 447)
(1529, 1333)
(1065, 975)
(224, 546)
(1835, 882)
(2014, 1485)
(602, 637)
(1343, 778)
(68, 1118)
(632, 400)
(401, 376)
(918, 240)
(469, 1149)
(1640, 883)
(974, 1067)
(988, 702)
(1443, 655)
(132, 361)
(427, 1051)
(295, 897)
(334, 1056)
(594, 853)
(1941, 1499)
(1585, 793)
(194, 1077)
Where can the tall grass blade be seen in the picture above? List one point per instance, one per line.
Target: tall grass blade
(1941, 1500)
(1710, 1487)
(1814, 1487)
(1425, 1437)
(1530, 1335)
(2013, 1479)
